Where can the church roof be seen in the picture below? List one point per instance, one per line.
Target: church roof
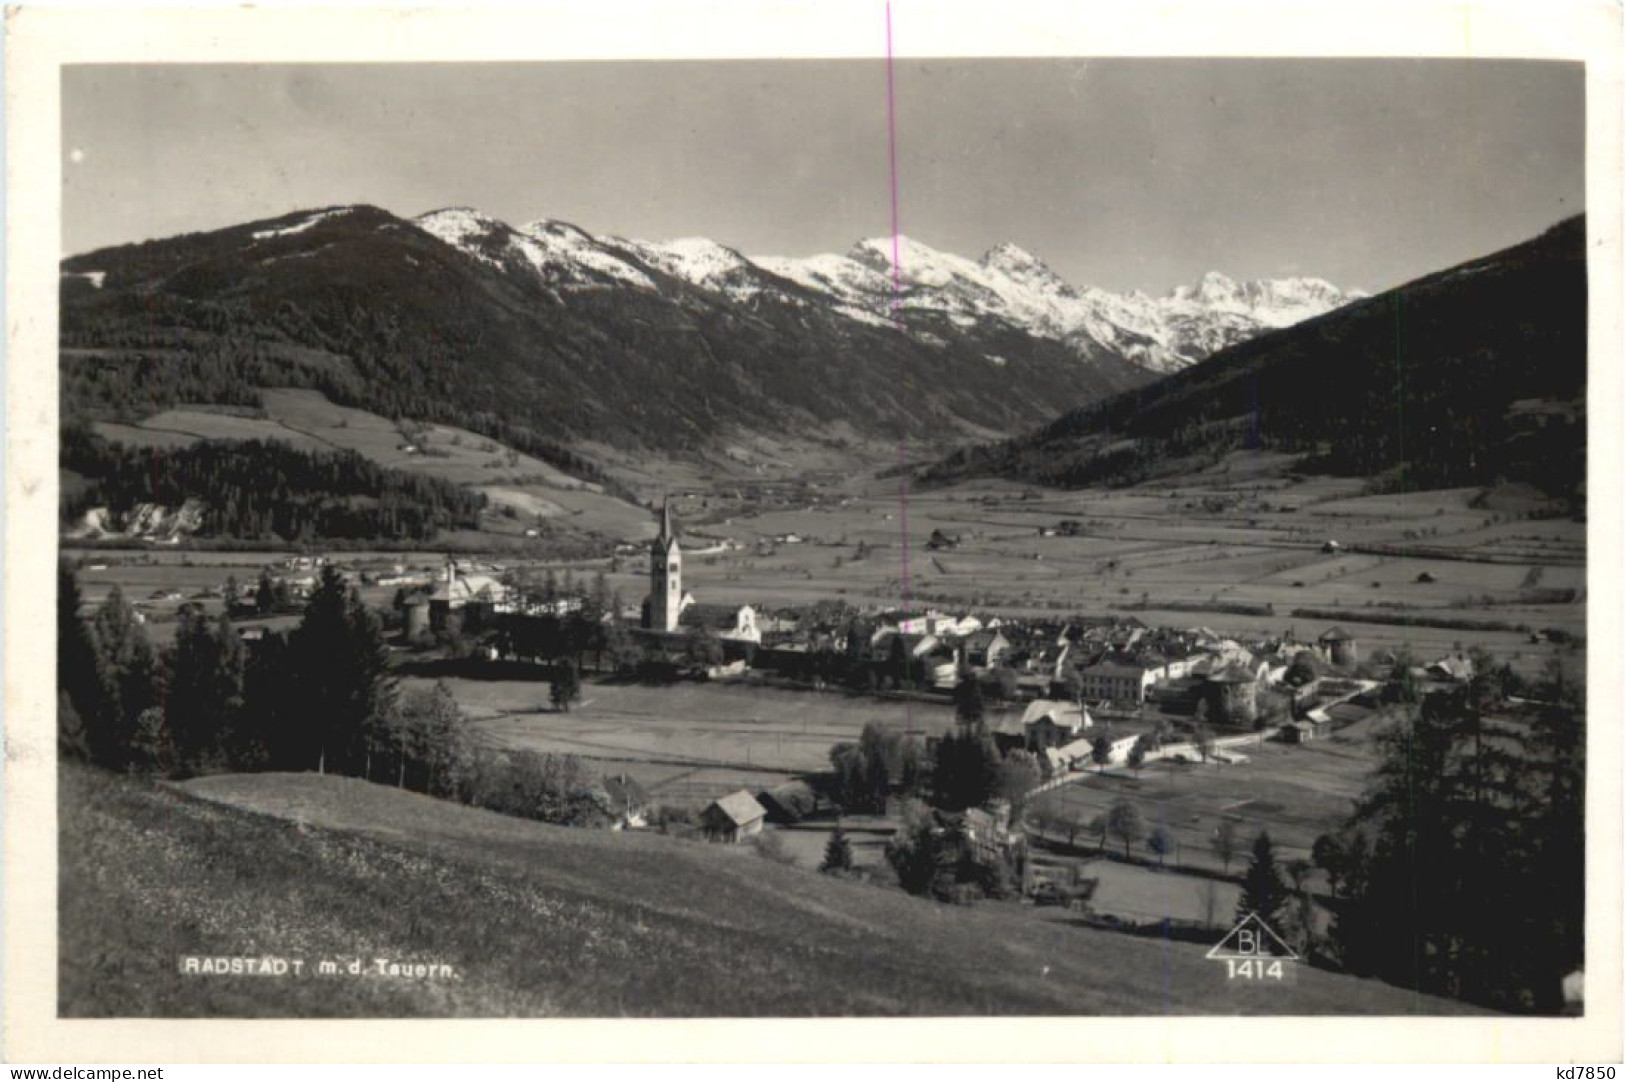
(666, 539)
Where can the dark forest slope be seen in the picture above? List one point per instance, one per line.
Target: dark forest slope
(1463, 377)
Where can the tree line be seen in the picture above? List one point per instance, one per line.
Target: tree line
(321, 697)
(1461, 871)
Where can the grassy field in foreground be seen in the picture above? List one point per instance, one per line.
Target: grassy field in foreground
(540, 921)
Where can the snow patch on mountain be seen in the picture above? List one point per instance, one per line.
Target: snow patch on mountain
(701, 261)
(559, 250)
(465, 229)
(96, 278)
(301, 225)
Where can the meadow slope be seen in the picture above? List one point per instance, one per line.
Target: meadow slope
(540, 921)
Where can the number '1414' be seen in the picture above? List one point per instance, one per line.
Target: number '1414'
(1254, 969)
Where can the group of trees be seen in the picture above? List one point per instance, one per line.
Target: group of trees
(321, 697)
(1461, 871)
(932, 854)
(881, 763)
(267, 489)
(935, 854)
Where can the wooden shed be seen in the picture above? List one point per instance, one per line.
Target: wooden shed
(732, 818)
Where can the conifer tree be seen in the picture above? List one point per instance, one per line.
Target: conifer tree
(203, 690)
(566, 687)
(80, 673)
(340, 664)
(1263, 891)
(837, 853)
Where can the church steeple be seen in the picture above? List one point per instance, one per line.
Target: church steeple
(665, 574)
(667, 536)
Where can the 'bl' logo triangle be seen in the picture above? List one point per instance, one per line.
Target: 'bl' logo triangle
(1252, 938)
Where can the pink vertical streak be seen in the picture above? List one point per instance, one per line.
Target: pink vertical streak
(897, 303)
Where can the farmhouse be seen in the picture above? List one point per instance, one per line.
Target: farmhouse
(1049, 723)
(984, 649)
(732, 818)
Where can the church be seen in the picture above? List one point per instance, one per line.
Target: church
(671, 610)
(665, 577)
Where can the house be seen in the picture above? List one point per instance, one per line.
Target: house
(1454, 669)
(940, 668)
(1049, 723)
(986, 832)
(1049, 660)
(897, 645)
(1113, 680)
(733, 818)
(724, 621)
(1310, 727)
(984, 649)
(958, 627)
(458, 591)
(1007, 730)
(1177, 666)
(1072, 755)
(940, 540)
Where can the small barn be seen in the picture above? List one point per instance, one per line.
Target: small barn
(732, 818)
(1297, 732)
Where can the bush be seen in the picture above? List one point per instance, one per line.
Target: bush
(769, 845)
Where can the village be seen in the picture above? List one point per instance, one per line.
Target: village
(1133, 763)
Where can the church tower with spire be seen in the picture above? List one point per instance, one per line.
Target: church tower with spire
(665, 575)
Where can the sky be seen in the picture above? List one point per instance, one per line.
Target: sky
(1122, 173)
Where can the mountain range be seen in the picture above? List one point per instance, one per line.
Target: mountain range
(1464, 377)
(545, 336)
(1006, 285)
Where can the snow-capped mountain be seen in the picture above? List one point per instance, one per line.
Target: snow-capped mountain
(559, 253)
(929, 293)
(1011, 284)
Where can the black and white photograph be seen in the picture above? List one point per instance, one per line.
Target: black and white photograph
(824, 537)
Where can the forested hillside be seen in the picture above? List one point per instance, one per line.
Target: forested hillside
(380, 314)
(1470, 375)
(253, 489)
